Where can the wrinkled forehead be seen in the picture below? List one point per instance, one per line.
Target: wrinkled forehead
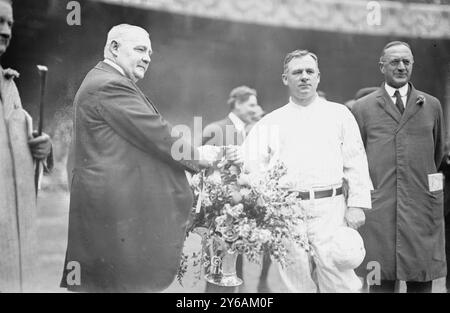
(399, 51)
(135, 37)
(303, 62)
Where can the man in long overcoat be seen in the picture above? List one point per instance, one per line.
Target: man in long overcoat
(402, 130)
(130, 199)
(18, 254)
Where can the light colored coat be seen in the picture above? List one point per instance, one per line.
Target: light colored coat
(17, 193)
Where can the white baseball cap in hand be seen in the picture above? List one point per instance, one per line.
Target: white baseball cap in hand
(347, 248)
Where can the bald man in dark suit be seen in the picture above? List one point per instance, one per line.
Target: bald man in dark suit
(130, 199)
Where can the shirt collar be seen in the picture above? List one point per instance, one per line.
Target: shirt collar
(300, 107)
(390, 90)
(117, 67)
(238, 123)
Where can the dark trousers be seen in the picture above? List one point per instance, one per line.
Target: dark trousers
(388, 286)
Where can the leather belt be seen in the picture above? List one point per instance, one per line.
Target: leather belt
(304, 195)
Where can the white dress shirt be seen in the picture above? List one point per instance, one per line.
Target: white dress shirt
(320, 144)
(117, 67)
(403, 93)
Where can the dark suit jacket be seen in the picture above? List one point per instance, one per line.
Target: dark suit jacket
(404, 231)
(222, 133)
(130, 199)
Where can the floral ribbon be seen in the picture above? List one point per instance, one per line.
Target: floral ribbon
(200, 195)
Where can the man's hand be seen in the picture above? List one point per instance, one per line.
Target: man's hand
(40, 146)
(234, 154)
(209, 155)
(355, 217)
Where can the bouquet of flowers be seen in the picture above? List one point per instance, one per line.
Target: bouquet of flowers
(234, 215)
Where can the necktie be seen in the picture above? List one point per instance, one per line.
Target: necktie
(399, 102)
(243, 133)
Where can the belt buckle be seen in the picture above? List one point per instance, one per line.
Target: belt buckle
(311, 194)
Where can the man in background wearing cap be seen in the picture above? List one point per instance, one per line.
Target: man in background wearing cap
(403, 133)
(319, 143)
(359, 94)
(130, 199)
(18, 148)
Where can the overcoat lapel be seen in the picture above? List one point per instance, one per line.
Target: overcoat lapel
(386, 103)
(18, 242)
(412, 106)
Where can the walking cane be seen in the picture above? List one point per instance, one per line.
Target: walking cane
(42, 69)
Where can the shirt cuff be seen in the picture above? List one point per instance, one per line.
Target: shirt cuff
(362, 200)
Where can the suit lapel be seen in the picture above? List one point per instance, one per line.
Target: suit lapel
(145, 97)
(385, 101)
(229, 129)
(412, 106)
(228, 122)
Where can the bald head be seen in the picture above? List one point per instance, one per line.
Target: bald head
(129, 47)
(391, 44)
(122, 33)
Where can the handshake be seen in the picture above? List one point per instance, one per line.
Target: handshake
(211, 155)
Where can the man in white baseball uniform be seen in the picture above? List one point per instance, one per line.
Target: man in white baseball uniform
(320, 144)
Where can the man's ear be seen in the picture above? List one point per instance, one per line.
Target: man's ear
(284, 79)
(113, 48)
(318, 77)
(382, 69)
